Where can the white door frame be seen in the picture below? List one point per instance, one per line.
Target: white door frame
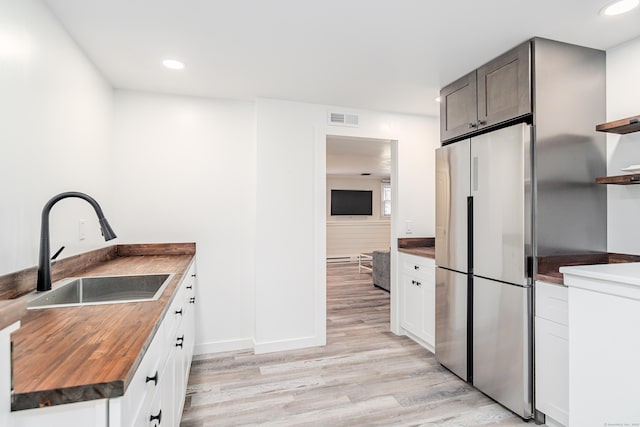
(320, 231)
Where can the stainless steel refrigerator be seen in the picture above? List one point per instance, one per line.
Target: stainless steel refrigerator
(484, 231)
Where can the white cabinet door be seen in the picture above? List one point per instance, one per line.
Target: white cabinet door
(93, 413)
(552, 351)
(604, 348)
(429, 308)
(552, 369)
(411, 305)
(5, 372)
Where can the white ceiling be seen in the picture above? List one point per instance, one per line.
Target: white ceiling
(388, 55)
(353, 156)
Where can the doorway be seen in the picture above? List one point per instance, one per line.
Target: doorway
(359, 207)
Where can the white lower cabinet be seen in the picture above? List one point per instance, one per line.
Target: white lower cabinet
(604, 373)
(417, 298)
(162, 401)
(155, 396)
(5, 372)
(552, 352)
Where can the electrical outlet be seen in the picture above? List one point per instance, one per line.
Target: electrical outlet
(82, 234)
(408, 227)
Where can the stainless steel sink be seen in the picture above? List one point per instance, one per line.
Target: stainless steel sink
(102, 290)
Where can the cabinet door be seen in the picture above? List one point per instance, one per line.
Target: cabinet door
(411, 305)
(504, 87)
(429, 306)
(458, 107)
(179, 381)
(552, 369)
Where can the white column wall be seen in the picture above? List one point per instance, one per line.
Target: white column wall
(623, 100)
(55, 130)
(183, 170)
(291, 212)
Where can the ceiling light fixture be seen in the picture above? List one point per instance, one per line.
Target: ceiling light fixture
(173, 64)
(619, 7)
(438, 99)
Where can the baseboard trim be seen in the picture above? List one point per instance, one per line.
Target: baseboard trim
(420, 342)
(342, 259)
(223, 346)
(288, 344)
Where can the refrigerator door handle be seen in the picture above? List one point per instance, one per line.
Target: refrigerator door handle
(474, 174)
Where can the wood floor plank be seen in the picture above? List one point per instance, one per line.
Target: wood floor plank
(364, 376)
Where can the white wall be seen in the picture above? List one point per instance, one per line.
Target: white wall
(623, 100)
(246, 183)
(55, 129)
(184, 169)
(291, 210)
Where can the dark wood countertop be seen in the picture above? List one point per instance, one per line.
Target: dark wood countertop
(548, 267)
(11, 311)
(426, 252)
(420, 246)
(63, 355)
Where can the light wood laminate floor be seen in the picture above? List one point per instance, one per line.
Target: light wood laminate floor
(364, 376)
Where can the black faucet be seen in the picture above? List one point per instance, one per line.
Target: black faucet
(44, 264)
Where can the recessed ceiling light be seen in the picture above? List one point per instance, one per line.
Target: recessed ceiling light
(173, 64)
(438, 99)
(619, 7)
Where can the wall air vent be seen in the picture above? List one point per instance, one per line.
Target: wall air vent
(342, 119)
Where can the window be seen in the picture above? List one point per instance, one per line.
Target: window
(386, 199)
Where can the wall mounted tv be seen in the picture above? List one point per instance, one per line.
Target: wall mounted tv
(351, 202)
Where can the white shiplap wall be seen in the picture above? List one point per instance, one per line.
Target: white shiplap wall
(348, 239)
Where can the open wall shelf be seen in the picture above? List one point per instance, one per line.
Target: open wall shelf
(622, 126)
(620, 179)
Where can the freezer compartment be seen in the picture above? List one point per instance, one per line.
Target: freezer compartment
(502, 360)
(452, 191)
(451, 321)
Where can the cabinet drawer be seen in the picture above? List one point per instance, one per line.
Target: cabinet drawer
(552, 369)
(174, 316)
(142, 387)
(418, 267)
(552, 302)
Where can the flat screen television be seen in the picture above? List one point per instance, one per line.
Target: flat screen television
(351, 202)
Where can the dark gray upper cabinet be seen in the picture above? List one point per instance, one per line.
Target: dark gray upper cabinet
(504, 87)
(458, 107)
(494, 93)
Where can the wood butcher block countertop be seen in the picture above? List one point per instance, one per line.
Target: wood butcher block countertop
(420, 246)
(63, 355)
(548, 267)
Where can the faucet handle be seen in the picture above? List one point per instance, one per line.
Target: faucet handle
(57, 253)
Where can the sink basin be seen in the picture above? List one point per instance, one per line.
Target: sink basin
(102, 290)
